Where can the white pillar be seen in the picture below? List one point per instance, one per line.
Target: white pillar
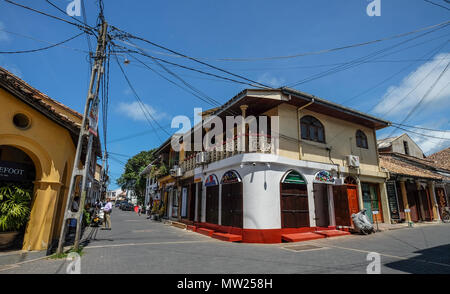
(220, 206)
(196, 203)
(203, 220)
(331, 205)
(312, 211)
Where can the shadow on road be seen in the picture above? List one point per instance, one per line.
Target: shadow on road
(435, 260)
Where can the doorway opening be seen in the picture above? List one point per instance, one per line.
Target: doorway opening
(17, 176)
(294, 201)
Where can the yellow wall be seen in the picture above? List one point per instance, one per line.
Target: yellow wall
(52, 150)
(340, 136)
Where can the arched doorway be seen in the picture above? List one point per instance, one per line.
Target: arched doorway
(212, 199)
(17, 174)
(232, 200)
(294, 201)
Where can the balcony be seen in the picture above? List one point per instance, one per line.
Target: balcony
(247, 144)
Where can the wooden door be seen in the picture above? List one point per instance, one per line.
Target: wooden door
(212, 204)
(341, 206)
(321, 205)
(294, 206)
(192, 203)
(232, 205)
(412, 195)
(425, 200)
(353, 202)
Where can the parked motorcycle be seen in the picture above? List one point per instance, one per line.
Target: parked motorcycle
(362, 223)
(97, 218)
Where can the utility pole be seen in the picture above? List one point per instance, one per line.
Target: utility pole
(88, 129)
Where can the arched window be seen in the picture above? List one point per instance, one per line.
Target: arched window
(361, 140)
(312, 129)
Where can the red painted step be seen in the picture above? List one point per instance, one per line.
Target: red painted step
(205, 232)
(227, 237)
(298, 237)
(192, 228)
(332, 233)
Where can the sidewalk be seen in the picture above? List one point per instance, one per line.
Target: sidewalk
(21, 256)
(388, 227)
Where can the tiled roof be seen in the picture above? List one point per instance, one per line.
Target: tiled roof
(408, 166)
(384, 143)
(63, 113)
(441, 159)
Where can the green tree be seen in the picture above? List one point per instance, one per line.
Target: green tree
(130, 179)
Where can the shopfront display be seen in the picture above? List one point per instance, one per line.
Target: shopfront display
(372, 202)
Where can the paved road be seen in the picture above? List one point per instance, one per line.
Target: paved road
(138, 245)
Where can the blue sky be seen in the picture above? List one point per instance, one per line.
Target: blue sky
(242, 29)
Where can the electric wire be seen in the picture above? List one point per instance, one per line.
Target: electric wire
(43, 48)
(419, 103)
(319, 51)
(130, 36)
(432, 52)
(146, 113)
(358, 61)
(85, 27)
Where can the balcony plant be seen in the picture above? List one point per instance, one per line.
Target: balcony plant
(14, 212)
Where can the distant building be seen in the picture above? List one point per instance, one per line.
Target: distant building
(402, 144)
(418, 186)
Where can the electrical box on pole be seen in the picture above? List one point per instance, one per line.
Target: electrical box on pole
(88, 131)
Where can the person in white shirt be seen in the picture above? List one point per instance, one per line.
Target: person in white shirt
(107, 215)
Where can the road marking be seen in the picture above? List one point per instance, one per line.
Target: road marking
(142, 231)
(150, 243)
(386, 255)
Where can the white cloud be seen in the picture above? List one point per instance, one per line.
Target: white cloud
(431, 145)
(417, 84)
(272, 81)
(3, 36)
(134, 111)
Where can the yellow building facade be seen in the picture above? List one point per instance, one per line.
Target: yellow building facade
(46, 131)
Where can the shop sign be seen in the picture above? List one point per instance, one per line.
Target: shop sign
(392, 196)
(231, 177)
(211, 181)
(13, 171)
(324, 177)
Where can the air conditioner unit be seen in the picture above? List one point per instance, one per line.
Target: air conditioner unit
(201, 157)
(353, 161)
(176, 171)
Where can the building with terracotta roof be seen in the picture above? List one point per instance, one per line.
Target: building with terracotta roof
(416, 186)
(38, 136)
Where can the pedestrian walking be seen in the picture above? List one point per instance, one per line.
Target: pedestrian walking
(139, 209)
(107, 215)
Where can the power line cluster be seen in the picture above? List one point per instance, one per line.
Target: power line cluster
(132, 50)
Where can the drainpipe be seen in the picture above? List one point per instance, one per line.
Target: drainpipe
(298, 126)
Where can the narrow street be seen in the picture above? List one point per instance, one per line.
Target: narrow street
(137, 245)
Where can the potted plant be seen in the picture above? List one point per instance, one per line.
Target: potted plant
(14, 212)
